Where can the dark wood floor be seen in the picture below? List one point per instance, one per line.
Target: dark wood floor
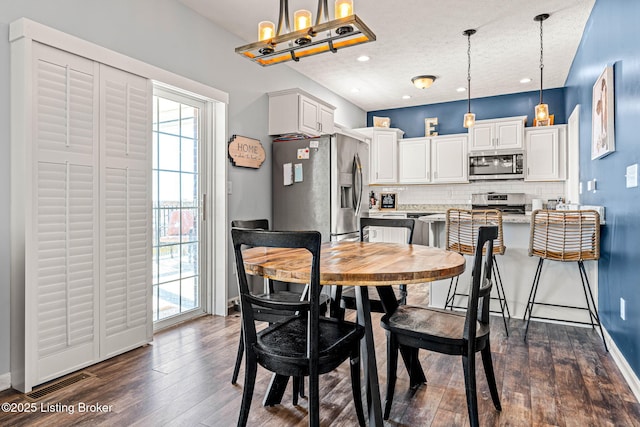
(561, 377)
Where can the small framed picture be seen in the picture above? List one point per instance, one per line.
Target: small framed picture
(602, 125)
(388, 201)
(381, 122)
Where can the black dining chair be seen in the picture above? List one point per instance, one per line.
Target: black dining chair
(450, 332)
(461, 234)
(347, 297)
(266, 314)
(303, 343)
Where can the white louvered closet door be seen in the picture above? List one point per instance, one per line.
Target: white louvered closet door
(125, 134)
(62, 253)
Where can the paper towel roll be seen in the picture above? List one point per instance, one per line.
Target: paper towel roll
(536, 204)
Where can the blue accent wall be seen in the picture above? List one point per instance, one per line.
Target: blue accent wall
(611, 38)
(450, 114)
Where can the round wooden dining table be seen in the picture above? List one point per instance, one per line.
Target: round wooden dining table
(359, 264)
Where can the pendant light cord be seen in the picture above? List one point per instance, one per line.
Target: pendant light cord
(541, 60)
(469, 72)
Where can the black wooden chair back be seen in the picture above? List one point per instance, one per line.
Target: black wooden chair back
(254, 224)
(480, 292)
(439, 330)
(346, 299)
(309, 240)
(266, 314)
(293, 346)
(408, 223)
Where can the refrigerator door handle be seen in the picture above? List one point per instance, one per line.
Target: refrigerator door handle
(357, 183)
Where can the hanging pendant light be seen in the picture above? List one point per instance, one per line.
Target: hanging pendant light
(469, 118)
(542, 110)
(276, 45)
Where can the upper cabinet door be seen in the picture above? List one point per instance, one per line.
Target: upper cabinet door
(482, 137)
(383, 153)
(325, 117)
(415, 161)
(294, 111)
(449, 159)
(309, 112)
(506, 134)
(384, 149)
(509, 135)
(546, 159)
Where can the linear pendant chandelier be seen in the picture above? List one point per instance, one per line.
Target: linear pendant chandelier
(275, 47)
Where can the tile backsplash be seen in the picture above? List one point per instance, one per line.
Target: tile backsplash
(460, 194)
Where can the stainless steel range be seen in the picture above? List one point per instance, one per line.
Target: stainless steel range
(506, 202)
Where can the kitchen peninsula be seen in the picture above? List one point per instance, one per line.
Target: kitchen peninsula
(559, 282)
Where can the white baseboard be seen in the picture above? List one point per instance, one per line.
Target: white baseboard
(625, 369)
(5, 381)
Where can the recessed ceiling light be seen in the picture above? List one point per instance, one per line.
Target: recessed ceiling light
(525, 80)
(355, 90)
(461, 89)
(363, 58)
(406, 97)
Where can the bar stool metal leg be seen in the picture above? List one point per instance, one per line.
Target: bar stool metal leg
(502, 299)
(532, 296)
(591, 301)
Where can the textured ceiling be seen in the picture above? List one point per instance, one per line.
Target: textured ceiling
(425, 37)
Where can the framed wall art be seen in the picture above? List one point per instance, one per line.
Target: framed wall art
(388, 201)
(381, 122)
(602, 123)
(246, 152)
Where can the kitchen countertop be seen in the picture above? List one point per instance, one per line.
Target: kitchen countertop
(419, 208)
(506, 218)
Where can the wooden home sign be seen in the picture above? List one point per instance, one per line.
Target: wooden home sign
(246, 152)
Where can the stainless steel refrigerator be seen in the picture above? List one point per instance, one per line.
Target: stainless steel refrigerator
(321, 184)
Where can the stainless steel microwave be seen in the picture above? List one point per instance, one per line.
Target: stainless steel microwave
(496, 166)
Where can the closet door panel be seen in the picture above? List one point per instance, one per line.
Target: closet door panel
(126, 210)
(61, 318)
(66, 286)
(65, 103)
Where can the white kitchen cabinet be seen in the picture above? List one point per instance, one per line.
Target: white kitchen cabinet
(545, 153)
(414, 161)
(298, 112)
(383, 149)
(80, 213)
(497, 134)
(449, 160)
(387, 234)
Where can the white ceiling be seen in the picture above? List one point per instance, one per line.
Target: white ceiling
(425, 37)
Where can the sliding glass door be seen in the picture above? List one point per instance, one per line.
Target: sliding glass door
(178, 126)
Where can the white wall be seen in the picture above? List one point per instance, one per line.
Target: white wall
(166, 34)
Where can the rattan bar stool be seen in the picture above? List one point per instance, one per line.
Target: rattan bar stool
(462, 227)
(566, 236)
